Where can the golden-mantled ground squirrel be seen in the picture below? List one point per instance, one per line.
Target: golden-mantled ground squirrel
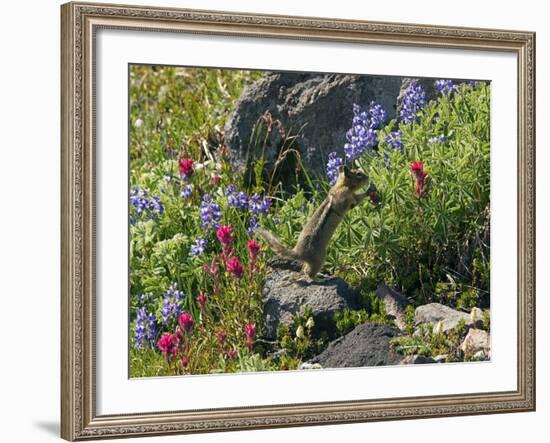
(311, 247)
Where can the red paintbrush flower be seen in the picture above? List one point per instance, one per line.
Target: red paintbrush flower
(168, 344)
(250, 330)
(250, 334)
(417, 167)
(184, 362)
(186, 322)
(186, 167)
(201, 299)
(225, 235)
(221, 336)
(420, 174)
(253, 248)
(234, 267)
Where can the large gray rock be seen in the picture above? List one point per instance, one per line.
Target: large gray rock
(287, 292)
(434, 313)
(317, 108)
(366, 345)
(394, 303)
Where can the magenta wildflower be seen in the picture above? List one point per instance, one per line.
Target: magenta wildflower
(184, 362)
(201, 299)
(225, 235)
(186, 322)
(417, 168)
(253, 248)
(234, 267)
(186, 167)
(221, 336)
(168, 344)
(250, 334)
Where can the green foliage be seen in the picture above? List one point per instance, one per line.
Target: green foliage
(299, 340)
(431, 341)
(468, 299)
(245, 361)
(409, 320)
(348, 319)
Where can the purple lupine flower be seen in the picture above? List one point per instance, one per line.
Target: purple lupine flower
(146, 329)
(377, 115)
(210, 213)
(439, 139)
(253, 223)
(361, 136)
(145, 297)
(236, 199)
(394, 140)
(139, 200)
(333, 165)
(259, 205)
(156, 205)
(445, 86)
(172, 305)
(187, 192)
(242, 200)
(198, 247)
(412, 102)
(144, 207)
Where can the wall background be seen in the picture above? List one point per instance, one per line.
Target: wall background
(29, 220)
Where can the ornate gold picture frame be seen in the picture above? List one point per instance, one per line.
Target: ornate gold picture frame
(80, 23)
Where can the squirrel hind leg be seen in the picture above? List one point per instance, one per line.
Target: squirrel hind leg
(311, 270)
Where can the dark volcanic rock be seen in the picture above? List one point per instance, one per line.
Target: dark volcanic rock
(317, 108)
(366, 345)
(287, 292)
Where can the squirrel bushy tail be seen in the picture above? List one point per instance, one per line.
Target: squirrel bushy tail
(276, 244)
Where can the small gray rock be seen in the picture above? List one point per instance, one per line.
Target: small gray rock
(287, 292)
(367, 345)
(441, 358)
(435, 312)
(394, 304)
(475, 341)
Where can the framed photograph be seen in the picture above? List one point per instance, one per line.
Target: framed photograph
(277, 221)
